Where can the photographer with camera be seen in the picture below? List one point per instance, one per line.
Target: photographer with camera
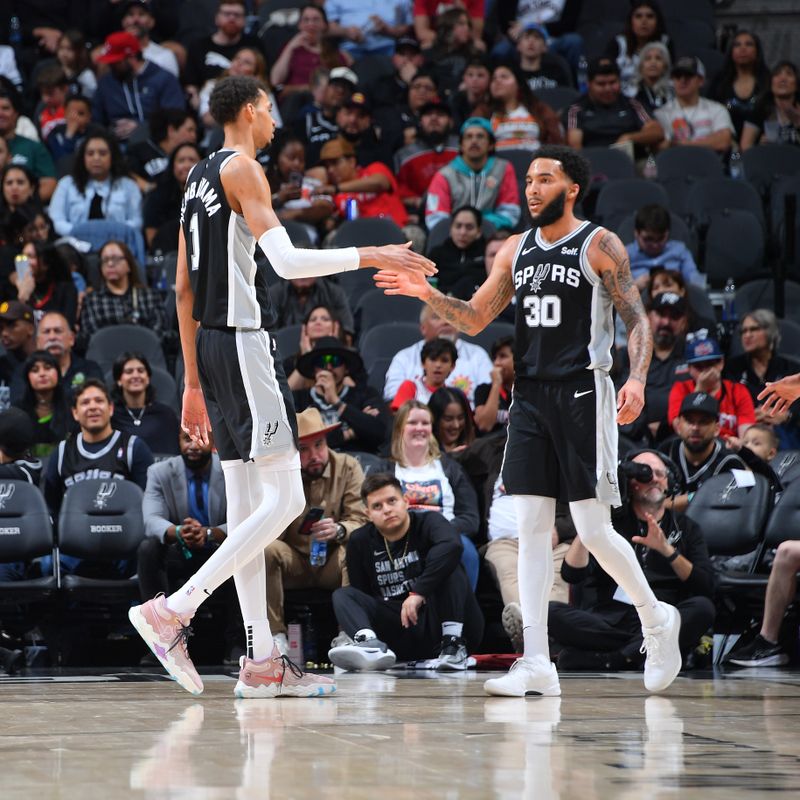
(604, 632)
(310, 552)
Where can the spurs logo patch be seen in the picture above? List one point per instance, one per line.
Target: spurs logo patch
(104, 494)
(270, 430)
(542, 271)
(6, 493)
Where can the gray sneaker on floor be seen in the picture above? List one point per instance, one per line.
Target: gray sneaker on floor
(365, 652)
(453, 655)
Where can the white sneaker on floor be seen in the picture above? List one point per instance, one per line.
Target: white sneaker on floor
(365, 652)
(282, 643)
(527, 676)
(663, 652)
(512, 624)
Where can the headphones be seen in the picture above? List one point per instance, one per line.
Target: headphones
(630, 469)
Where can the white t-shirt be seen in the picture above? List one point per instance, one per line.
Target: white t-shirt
(502, 516)
(687, 123)
(427, 488)
(473, 367)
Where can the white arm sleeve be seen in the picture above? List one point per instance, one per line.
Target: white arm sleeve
(289, 261)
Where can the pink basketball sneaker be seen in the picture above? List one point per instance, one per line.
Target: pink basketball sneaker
(166, 635)
(277, 676)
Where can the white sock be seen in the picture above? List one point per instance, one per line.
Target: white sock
(593, 523)
(452, 629)
(536, 517)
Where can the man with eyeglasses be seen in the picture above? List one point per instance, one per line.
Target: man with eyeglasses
(699, 452)
(606, 633)
(342, 396)
(653, 249)
(706, 363)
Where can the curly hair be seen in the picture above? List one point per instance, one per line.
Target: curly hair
(230, 95)
(575, 166)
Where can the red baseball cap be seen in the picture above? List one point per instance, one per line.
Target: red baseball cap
(118, 46)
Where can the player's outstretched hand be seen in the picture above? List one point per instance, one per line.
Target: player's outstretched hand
(779, 395)
(630, 401)
(405, 282)
(402, 257)
(194, 419)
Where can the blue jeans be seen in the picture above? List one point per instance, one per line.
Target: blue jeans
(470, 560)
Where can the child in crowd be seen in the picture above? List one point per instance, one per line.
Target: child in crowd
(53, 89)
(438, 361)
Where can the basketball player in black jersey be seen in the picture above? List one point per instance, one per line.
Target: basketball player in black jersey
(566, 275)
(235, 384)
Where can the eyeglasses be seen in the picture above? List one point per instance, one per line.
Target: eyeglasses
(105, 260)
(328, 361)
(752, 329)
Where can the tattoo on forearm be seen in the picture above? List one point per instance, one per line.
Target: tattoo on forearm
(628, 302)
(505, 291)
(459, 313)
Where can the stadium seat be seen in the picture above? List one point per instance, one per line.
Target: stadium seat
(608, 164)
(617, 199)
(298, 233)
(734, 247)
(376, 375)
(691, 35)
(766, 162)
(700, 302)
(27, 534)
(490, 334)
(376, 308)
(355, 283)
(760, 293)
(367, 232)
(678, 230)
(101, 520)
(383, 341)
(559, 98)
(679, 167)
(108, 343)
(288, 340)
(787, 466)
(369, 461)
(782, 187)
(710, 195)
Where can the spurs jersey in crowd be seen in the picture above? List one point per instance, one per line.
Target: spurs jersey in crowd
(112, 462)
(230, 289)
(564, 320)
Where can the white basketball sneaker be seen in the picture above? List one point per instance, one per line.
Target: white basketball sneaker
(663, 652)
(527, 676)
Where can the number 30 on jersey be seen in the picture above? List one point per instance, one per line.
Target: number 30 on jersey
(542, 312)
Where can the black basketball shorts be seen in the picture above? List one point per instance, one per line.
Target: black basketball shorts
(249, 403)
(562, 439)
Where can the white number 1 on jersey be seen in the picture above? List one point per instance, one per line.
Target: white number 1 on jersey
(195, 231)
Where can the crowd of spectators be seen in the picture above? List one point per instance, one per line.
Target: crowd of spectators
(419, 113)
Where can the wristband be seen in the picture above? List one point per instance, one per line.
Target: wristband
(187, 553)
(674, 555)
(689, 497)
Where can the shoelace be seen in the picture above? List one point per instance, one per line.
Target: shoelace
(288, 663)
(182, 639)
(652, 648)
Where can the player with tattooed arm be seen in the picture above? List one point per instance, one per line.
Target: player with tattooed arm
(567, 275)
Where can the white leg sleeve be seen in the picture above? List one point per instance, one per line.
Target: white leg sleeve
(593, 523)
(536, 517)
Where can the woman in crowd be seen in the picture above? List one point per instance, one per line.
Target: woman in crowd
(645, 24)
(47, 284)
(308, 50)
(453, 425)
(320, 321)
(292, 190)
(655, 83)
(460, 258)
(519, 119)
(73, 56)
(19, 203)
(453, 48)
(136, 409)
(743, 78)
(432, 481)
(44, 401)
(162, 206)
(776, 116)
(123, 298)
(98, 188)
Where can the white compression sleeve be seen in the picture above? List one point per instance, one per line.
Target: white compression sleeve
(289, 261)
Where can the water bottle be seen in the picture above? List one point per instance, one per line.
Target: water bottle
(735, 165)
(351, 208)
(319, 553)
(14, 32)
(650, 169)
(583, 75)
(729, 305)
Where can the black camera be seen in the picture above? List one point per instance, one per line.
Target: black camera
(633, 470)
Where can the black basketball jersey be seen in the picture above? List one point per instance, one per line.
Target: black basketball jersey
(111, 462)
(564, 322)
(230, 289)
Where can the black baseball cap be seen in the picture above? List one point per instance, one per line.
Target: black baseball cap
(665, 301)
(701, 402)
(435, 105)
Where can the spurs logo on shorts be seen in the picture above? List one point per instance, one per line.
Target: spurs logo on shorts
(270, 430)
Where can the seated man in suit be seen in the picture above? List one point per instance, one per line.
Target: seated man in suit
(184, 512)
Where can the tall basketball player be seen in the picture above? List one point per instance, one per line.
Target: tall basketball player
(566, 275)
(235, 385)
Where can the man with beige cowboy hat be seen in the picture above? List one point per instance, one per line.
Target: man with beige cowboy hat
(332, 485)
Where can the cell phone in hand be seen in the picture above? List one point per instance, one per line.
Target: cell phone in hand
(315, 514)
(23, 266)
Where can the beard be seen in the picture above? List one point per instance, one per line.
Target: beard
(434, 138)
(196, 461)
(665, 337)
(552, 212)
(697, 447)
